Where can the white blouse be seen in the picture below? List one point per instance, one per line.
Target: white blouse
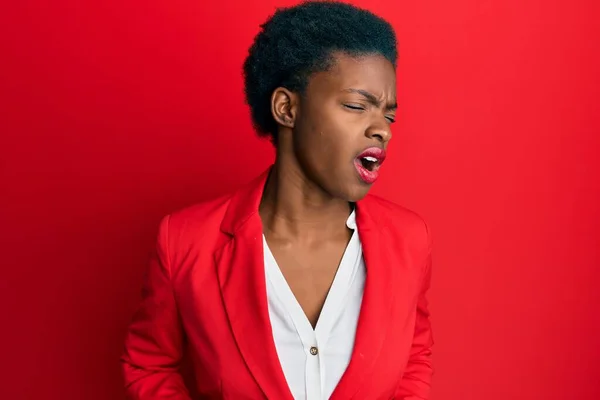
(314, 360)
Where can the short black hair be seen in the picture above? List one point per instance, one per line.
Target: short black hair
(298, 41)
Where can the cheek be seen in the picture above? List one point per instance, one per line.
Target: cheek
(311, 134)
(329, 129)
(325, 140)
(323, 146)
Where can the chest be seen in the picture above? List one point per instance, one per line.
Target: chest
(229, 342)
(314, 339)
(308, 270)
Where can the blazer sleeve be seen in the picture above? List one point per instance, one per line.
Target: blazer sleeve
(154, 340)
(416, 381)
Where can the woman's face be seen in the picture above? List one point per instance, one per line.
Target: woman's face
(342, 124)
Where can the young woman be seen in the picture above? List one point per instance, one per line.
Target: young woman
(299, 285)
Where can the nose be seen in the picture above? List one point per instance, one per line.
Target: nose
(380, 131)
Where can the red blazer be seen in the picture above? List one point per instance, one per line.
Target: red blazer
(205, 294)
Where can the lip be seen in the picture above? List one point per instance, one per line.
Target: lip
(369, 176)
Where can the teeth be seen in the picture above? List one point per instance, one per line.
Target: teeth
(370, 159)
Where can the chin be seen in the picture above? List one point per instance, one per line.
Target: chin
(347, 188)
(356, 193)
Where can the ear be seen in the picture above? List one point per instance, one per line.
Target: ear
(284, 107)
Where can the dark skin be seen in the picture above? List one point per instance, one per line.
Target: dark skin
(308, 196)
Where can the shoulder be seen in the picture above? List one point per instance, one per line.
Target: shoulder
(195, 225)
(202, 214)
(399, 220)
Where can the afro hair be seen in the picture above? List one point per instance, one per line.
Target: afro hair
(298, 41)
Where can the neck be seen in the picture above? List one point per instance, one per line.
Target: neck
(295, 208)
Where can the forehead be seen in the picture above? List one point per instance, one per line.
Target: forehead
(373, 73)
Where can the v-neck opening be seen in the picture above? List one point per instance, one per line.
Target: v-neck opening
(334, 299)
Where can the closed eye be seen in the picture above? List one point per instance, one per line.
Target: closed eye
(354, 107)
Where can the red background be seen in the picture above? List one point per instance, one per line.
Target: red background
(114, 113)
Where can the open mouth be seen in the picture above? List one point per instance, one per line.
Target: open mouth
(368, 163)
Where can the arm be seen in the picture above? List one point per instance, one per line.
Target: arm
(153, 346)
(416, 381)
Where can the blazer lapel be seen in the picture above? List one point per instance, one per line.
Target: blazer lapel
(240, 270)
(377, 300)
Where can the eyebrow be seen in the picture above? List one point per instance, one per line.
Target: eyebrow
(371, 98)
